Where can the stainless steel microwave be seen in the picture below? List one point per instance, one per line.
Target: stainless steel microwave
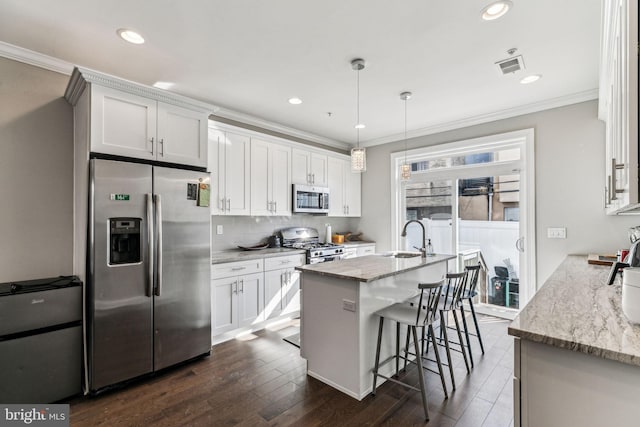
(310, 199)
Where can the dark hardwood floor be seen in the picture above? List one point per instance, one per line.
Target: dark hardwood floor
(260, 380)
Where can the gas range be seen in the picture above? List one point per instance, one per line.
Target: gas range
(307, 238)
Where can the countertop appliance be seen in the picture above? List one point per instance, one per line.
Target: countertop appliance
(148, 279)
(631, 294)
(631, 260)
(310, 199)
(40, 340)
(307, 238)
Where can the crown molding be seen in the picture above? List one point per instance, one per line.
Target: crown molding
(81, 76)
(562, 101)
(282, 129)
(31, 57)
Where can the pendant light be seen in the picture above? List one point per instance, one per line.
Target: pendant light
(405, 169)
(358, 155)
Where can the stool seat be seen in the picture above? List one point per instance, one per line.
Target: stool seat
(404, 313)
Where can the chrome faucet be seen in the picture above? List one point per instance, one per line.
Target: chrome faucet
(423, 249)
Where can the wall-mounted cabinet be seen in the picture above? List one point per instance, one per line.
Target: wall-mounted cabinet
(618, 104)
(270, 178)
(130, 120)
(230, 163)
(344, 186)
(309, 167)
(252, 174)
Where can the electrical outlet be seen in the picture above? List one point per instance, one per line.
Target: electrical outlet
(219, 229)
(348, 305)
(557, 232)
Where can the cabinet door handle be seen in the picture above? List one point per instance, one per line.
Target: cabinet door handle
(235, 287)
(285, 261)
(275, 207)
(228, 204)
(152, 145)
(237, 268)
(241, 286)
(313, 178)
(614, 191)
(161, 142)
(308, 178)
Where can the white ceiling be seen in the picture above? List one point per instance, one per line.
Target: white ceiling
(250, 56)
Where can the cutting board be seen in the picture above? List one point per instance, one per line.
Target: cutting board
(601, 259)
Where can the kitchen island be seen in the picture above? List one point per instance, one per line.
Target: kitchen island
(338, 326)
(577, 357)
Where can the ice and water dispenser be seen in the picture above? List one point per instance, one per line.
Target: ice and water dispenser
(125, 241)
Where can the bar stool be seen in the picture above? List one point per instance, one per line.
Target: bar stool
(452, 300)
(469, 292)
(449, 302)
(420, 315)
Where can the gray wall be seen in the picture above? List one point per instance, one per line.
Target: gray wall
(36, 173)
(569, 156)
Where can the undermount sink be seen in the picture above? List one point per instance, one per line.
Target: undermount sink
(402, 254)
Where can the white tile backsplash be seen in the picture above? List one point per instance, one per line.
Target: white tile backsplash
(249, 231)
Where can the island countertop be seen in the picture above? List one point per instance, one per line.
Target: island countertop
(576, 310)
(371, 267)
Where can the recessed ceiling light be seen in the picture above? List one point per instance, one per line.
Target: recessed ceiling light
(295, 101)
(163, 85)
(496, 9)
(530, 79)
(360, 126)
(130, 36)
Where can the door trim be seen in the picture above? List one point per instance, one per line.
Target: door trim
(525, 140)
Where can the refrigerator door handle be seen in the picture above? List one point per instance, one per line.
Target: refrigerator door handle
(150, 247)
(158, 245)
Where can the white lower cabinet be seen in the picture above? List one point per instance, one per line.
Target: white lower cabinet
(282, 285)
(237, 300)
(363, 250)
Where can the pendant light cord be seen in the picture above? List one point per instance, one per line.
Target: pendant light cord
(405, 131)
(358, 109)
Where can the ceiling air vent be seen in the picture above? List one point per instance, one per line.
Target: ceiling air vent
(511, 65)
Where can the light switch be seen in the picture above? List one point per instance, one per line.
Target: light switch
(557, 232)
(219, 229)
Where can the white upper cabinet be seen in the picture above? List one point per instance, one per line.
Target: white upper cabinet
(618, 104)
(309, 167)
(270, 178)
(182, 135)
(141, 122)
(344, 188)
(230, 169)
(123, 124)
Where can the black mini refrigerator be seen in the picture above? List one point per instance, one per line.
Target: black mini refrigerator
(40, 340)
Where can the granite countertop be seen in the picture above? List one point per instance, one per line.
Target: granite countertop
(371, 267)
(576, 310)
(232, 255)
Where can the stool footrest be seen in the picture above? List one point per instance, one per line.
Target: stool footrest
(396, 381)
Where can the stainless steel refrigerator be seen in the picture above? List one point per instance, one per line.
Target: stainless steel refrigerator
(148, 283)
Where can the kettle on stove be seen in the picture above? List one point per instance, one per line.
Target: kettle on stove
(633, 257)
